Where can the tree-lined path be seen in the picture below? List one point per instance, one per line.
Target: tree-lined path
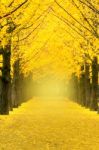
(50, 124)
(49, 48)
(47, 39)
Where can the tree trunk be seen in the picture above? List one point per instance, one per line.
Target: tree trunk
(87, 84)
(94, 99)
(16, 84)
(6, 81)
(82, 87)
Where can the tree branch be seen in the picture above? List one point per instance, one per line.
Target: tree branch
(72, 17)
(68, 24)
(11, 3)
(89, 5)
(14, 10)
(94, 31)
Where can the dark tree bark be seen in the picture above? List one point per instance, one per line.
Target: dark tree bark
(94, 97)
(16, 84)
(82, 87)
(87, 84)
(6, 81)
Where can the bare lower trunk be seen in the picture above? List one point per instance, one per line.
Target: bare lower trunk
(94, 99)
(82, 87)
(6, 81)
(16, 84)
(87, 84)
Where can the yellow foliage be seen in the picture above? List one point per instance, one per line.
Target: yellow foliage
(50, 33)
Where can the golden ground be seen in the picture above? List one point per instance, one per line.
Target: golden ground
(45, 124)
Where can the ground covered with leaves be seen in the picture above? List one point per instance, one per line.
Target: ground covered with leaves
(47, 124)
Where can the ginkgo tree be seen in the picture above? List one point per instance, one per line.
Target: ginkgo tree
(89, 31)
(49, 37)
